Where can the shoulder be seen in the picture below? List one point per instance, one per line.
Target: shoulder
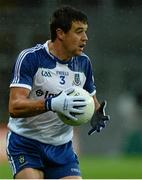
(80, 63)
(84, 56)
(28, 60)
(83, 59)
(30, 56)
(31, 52)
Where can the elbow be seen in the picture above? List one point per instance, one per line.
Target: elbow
(13, 115)
(13, 112)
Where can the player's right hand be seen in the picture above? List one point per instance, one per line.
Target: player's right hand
(66, 104)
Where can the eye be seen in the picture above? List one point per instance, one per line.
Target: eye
(78, 32)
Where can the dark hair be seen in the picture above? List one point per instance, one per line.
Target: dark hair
(63, 18)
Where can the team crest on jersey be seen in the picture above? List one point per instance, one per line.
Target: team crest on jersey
(77, 81)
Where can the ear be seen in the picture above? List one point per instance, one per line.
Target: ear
(60, 34)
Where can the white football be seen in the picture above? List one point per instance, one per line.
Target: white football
(88, 109)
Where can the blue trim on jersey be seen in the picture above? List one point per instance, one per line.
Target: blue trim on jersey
(45, 76)
(31, 59)
(20, 60)
(83, 64)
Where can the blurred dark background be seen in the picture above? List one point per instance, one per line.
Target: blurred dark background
(115, 48)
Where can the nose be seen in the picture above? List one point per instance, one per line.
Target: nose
(84, 37)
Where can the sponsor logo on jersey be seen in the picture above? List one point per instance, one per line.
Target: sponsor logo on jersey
(46, 73)
(46, 94)
(75, 170)
(77, 81)
(39, 92)
(62, 73)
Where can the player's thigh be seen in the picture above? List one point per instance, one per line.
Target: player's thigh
(24, 156)
(72, 177)
(29, 173)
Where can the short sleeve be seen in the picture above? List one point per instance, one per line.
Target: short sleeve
(89, 84)
(24, 70)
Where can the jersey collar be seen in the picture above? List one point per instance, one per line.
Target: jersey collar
(52, 56)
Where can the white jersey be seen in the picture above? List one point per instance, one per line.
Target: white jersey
(45, 75)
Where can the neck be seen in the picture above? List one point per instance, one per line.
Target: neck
(58, 51)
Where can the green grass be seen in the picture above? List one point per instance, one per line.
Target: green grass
(5, 171)
(111, 168)
(100, 168)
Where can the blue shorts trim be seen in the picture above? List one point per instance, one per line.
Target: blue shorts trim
(55, 161)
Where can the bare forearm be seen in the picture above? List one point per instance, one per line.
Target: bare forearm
(97, 104)
(26, 108)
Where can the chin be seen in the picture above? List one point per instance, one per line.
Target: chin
(78, 53)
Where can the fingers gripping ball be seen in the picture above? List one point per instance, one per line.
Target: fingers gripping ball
(88, 109)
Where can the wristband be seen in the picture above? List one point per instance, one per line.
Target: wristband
(48, 104)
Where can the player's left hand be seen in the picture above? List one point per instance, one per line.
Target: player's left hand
(99, 120)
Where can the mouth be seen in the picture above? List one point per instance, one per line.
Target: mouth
(82, 46)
